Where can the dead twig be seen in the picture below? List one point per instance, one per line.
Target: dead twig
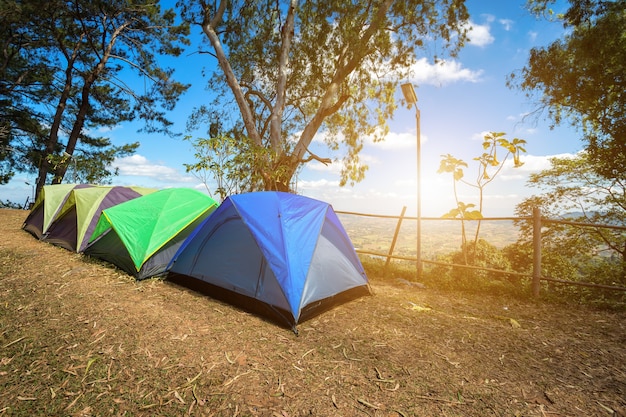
(13, 342)
(442, 400)
(367, 404)
(345, 355)
(236, 377)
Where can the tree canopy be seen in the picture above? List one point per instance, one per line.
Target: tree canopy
(581, 78)
(71, 67)
(296, 69)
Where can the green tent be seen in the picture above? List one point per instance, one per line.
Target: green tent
(142, 235)
(76, 219)
(47, 206)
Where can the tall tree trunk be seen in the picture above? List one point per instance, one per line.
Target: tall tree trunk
(60, 171)
(84, 105)
(53, 138)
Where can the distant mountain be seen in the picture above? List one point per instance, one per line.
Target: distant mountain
(580, 216)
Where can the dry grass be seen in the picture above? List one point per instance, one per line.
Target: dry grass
(80, 338)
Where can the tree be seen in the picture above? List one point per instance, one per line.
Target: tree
(298, 68)
(488, 168)
(98, 67)
(581, 78)
(25, 77)
(225, 158)
(484, 255)
(573, 190)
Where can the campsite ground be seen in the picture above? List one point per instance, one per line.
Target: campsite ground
(78, 337)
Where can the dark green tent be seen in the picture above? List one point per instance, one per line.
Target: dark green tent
(142, 235)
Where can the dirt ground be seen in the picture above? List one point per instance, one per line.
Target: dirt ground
(80, 338)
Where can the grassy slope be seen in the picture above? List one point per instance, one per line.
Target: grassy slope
(80, 338)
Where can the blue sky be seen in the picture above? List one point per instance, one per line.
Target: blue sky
(459, 102)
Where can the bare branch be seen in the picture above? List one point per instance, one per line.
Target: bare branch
(312, 157)
(208, 27)
(276, 115)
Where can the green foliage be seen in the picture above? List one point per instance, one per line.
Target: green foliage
(463, 212)
(93, 165)
(563, 260)
(488, 168)
(483, 255)
(225, 161)
(294, 70)
(69, 68)
(10, 205)
(6, 160)
(25, 77)
(573, 190)
(374, 267)
(580, 78)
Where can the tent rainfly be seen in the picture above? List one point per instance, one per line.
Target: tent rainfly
(280, 255)
(46, 207)
(77, 218)
(140, 236)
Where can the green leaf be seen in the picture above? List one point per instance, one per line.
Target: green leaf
(473, 215)
(452, 214)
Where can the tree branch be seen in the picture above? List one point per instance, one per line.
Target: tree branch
(276, 116)
(134, 65)
(329, 99)
(208, 27)
(312, 157)
(203, 52)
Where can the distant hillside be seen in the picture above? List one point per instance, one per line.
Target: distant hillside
(438, 236)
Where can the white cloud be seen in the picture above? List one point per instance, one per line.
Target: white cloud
(397, 141)
(334, 167)
(442, 73)
(405, 182)
(519, 117)
(107, 129)
(368, 158)
(480, 136)
(317, 184)
(479, 35)
(393, 141)
(506, 23)
(536, 163)
(140, 166)
(517, 177)
(530, 164)
(320, 136)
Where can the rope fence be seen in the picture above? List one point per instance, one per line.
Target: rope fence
(537, 223)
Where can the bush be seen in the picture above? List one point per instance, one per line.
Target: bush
(10, 204)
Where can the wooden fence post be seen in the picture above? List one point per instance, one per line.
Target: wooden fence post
(393, 241)
(536, 251)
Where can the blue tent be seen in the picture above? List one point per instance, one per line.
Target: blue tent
(281, 255)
